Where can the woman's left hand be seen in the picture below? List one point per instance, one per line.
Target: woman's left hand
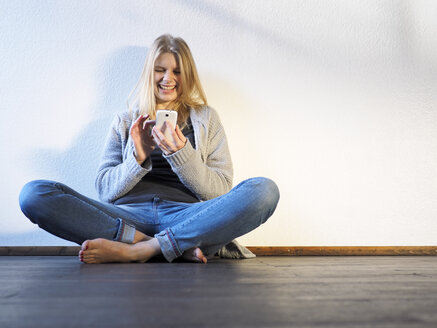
(176, 142)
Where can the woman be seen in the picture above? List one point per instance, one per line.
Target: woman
(158, 195)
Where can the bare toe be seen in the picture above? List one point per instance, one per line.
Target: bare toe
(194, 255)
(85, 245)
(199, 254)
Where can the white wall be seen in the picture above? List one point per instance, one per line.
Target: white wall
(334, 100)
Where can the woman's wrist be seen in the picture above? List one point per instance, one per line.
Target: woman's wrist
(139, 160)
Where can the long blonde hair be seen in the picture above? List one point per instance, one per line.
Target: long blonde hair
(191, 93)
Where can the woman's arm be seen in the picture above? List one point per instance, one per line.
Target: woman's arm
(210, 175)
(119, 170)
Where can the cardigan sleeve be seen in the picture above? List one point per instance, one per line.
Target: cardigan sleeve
(207, 176)
(118, 171)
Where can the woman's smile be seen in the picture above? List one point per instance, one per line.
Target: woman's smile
(167, 80)
(167, 88)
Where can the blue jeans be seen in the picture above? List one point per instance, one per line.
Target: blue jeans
(177, 226)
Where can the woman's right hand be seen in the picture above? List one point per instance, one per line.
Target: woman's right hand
(140, 133)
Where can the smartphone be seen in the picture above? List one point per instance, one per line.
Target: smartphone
(163, 115)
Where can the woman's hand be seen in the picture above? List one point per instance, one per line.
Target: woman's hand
(169, 146)
(142, 139)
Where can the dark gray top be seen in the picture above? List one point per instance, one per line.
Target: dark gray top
(161, 181)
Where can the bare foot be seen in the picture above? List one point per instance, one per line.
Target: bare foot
(194, 255)
(104, 251)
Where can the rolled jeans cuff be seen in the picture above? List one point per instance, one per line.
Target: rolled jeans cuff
(168, 245)
(125, 233)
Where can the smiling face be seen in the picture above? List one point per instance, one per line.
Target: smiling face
(167, 80)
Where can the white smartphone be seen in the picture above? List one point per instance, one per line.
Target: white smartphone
(163, 115)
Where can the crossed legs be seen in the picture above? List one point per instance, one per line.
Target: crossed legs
(105, 237)
(207, 225)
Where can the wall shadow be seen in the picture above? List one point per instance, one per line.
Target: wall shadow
(77, 166)
(117, 75)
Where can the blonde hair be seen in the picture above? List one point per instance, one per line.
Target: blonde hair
(191, 93)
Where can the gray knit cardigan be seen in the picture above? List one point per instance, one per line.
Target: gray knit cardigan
(205, 170)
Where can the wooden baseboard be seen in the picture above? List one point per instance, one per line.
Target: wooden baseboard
(343, 250)
(258, 250)
(39, 250)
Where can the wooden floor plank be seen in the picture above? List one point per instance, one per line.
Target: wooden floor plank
(301, 291)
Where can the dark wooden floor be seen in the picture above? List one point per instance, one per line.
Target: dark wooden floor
(263, 292)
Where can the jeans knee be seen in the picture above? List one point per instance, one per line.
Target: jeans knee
(269, 192)
(31, 194)
(266, 194)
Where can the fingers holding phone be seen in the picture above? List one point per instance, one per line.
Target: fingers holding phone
(166, 133)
